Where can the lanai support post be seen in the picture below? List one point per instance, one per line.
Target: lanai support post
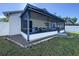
(28, 18)
(64, 26)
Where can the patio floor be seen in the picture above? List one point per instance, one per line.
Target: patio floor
(18, 39)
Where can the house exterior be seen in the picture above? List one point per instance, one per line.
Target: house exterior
(34, 23)
(35, 20)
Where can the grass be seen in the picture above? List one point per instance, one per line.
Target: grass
(59, 46)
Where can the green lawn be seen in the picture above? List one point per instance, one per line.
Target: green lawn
(56, 46)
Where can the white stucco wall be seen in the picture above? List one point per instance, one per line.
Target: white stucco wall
(4, 28)
(40, 35)
(71, 28)
(15, 24)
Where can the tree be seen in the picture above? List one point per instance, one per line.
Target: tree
(74, 20)
(3, 19)
(66, 18)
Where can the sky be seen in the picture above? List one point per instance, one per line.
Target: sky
(61, 9)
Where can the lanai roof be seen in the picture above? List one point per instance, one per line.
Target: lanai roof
(35, 9)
